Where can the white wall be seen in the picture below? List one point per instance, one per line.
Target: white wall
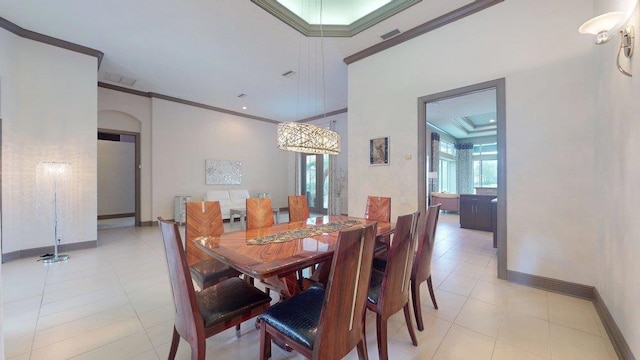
(51, 101)
(184, 136)
(116, 177)
(550, 157)
(617, 172)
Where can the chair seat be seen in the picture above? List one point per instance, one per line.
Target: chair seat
(375, 286)
(297, 317)
(211, 271)
(228, 299)
(380, 247)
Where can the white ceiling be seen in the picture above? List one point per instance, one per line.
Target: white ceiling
(465, 116)
(212, 51)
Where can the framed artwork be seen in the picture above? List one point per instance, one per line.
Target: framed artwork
(222, 172)
(379, 151)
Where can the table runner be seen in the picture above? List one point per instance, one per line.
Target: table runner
(301, 233)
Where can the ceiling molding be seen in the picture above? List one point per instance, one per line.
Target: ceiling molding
(312, 30)
(205, 106)
(431, 25)
(32, 35)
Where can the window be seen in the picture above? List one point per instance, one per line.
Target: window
(447, 167)
(485, 165)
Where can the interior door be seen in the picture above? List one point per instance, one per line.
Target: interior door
(315, 181)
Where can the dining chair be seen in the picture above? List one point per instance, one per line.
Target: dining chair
(327, 323)
(421, 270)
(259, 213)
(379, 209)
(389, 290)
(208, 312)
(298, 208)
(204, 219)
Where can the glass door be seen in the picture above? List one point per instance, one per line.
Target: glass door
(315, 181)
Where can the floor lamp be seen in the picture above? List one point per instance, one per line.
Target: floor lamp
(53, 183)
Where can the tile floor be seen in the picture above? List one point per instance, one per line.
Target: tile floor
(114, 302)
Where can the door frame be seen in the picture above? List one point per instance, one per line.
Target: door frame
(499, 85)
(317, 208)
(136, 135)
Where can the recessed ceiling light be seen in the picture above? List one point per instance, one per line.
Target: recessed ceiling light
(492, 120)
(244, 108)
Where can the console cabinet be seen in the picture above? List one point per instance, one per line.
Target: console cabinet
(475, 212)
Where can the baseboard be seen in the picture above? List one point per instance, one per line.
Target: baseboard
(549, 284)
(582, 291)
(36, 252)
(615, 335)
(115, 216)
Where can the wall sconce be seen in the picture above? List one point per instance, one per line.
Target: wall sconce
(605, 28)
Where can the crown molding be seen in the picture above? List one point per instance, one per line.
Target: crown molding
(431, 25)
(49, 40)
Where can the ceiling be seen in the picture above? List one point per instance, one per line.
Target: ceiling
(465, 116)
(210, 52)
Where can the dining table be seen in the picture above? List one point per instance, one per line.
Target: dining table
(277, 252)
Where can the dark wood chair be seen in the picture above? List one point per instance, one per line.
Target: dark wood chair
(389, 291)
(298, 208)
(327, 324)
(259, 213)
(421, 270)
(204, 219)
(379, 209)
(210, 311)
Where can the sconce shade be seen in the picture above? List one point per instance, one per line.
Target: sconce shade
(308, 138)
(603, 26)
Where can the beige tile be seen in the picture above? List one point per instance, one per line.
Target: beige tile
(458, 284)
(481, 317)
(18, 345)
(449, 305)
(528, 301)
(574, 313)
(567, 343)
(496, 292)
(527, 333)
(504, 351)
(129, 347)
(463, 344)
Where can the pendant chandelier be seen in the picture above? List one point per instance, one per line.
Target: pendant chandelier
(308, 138)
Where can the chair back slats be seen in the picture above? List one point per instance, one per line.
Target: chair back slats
(298, 208)
(340, 328)
(202, 219)
(378, 209)
(259, 213)
(184, 295)
(394, 293)
(422, 265)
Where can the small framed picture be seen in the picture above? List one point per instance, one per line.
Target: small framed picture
(379, 151)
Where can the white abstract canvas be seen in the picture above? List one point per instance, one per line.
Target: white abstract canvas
(223, 172)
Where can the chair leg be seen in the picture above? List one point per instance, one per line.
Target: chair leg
(362, 350)
(175, 341)
(407, 319)
(381, 331)
(198, 351)
(433, 295)
(417, 306)
(265, 342)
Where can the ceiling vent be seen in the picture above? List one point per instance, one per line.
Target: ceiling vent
(243, 95)
(111, 77)
(289, 73)
(390, 34)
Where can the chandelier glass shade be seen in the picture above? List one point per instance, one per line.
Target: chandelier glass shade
(308, 138)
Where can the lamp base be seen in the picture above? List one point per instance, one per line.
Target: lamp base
(55, 258)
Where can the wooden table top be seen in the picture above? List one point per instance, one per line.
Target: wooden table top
(264, 261)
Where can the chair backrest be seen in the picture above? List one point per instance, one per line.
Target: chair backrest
(340, 327)
(184, 295)
(394, 292)
(298, 208)
(202, 219)
(378, 209)
(422, 263)
(259, 213)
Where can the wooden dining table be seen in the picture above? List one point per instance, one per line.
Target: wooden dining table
(276, 260)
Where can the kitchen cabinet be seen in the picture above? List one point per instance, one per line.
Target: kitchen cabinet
(475, 211)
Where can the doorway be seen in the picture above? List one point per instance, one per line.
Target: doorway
(315, 181)
(120, 170)
(423, 151)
